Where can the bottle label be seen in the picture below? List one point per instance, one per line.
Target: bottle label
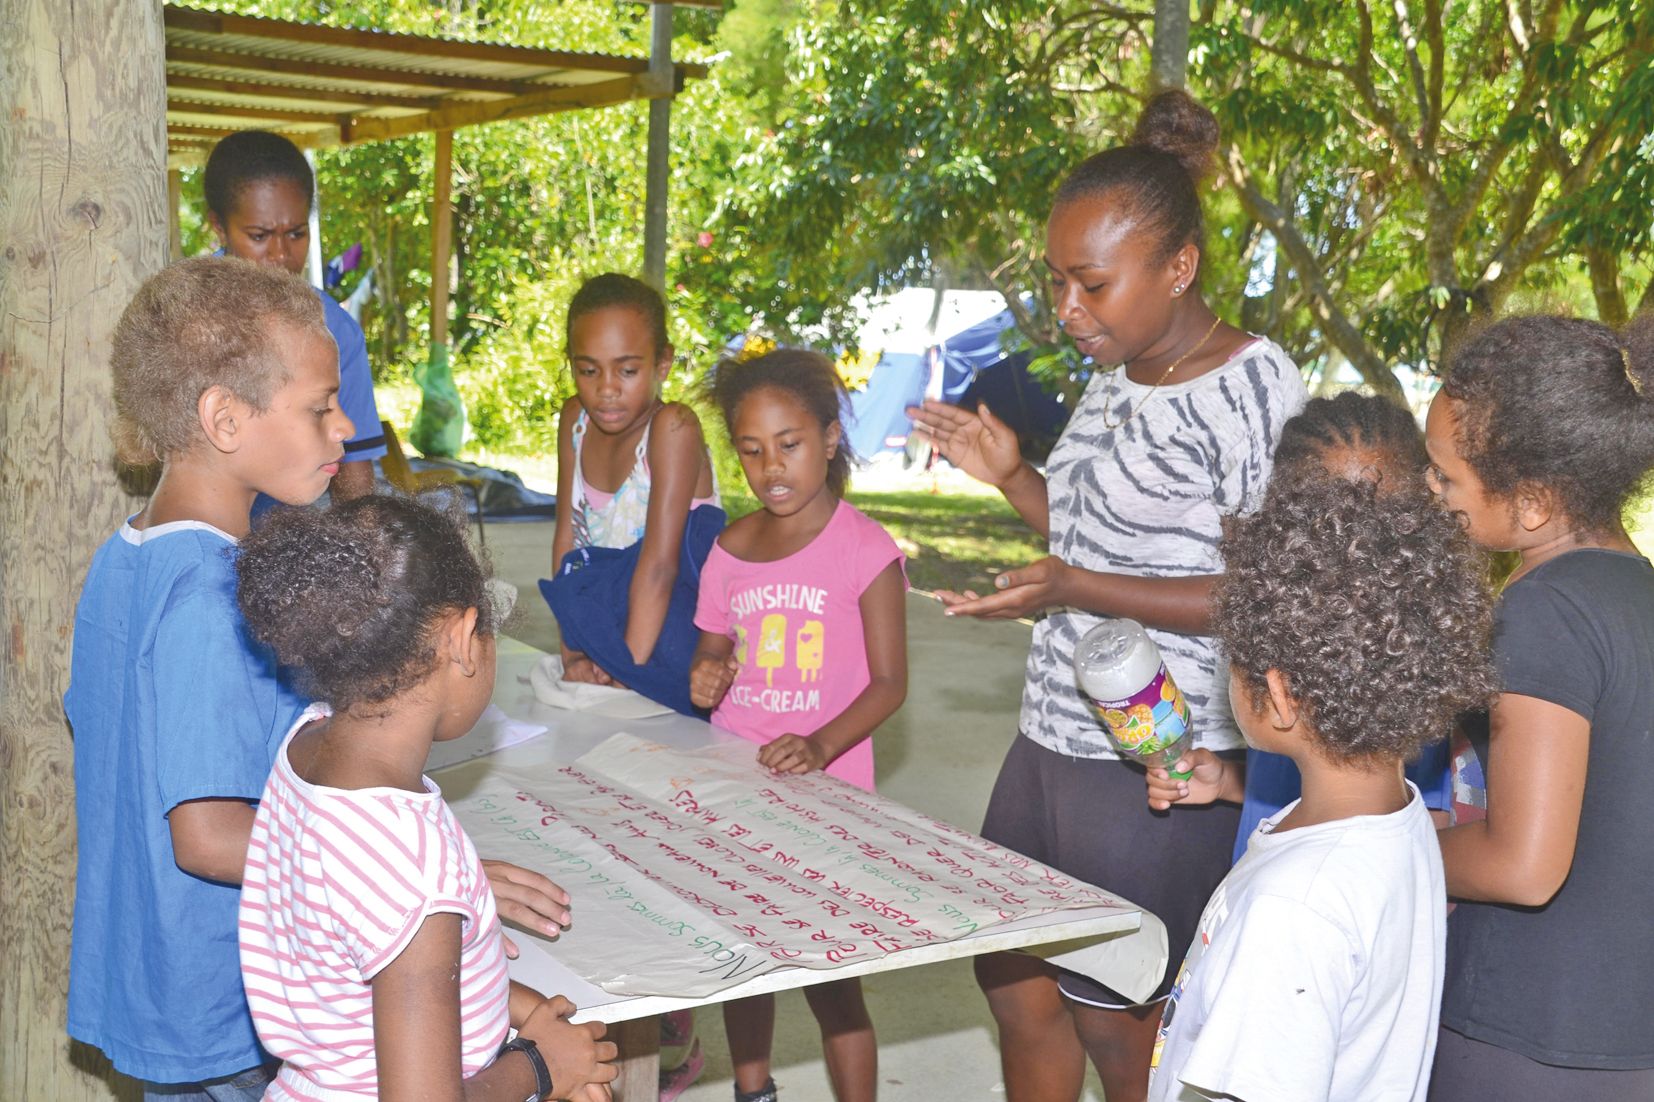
(1150, 720)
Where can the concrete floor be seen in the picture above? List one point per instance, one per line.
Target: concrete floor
(938, 754)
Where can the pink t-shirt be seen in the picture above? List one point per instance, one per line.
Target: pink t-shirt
(337, 884)
(797, 628)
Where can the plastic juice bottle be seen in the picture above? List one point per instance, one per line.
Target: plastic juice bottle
(1142, 709)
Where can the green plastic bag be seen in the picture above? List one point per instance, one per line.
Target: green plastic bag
(439, 427)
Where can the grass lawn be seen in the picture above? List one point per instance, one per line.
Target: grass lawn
(952, 540)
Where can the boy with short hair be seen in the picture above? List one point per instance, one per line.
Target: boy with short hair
(1357, 627)
(226, 373)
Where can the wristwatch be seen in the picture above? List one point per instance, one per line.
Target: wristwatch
(542, 1074)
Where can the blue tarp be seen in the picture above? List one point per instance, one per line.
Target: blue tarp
(877, 419)
(974, 367)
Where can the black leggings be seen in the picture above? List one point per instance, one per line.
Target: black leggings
(1468, 1070)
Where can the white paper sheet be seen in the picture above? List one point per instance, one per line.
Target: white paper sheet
(694, 871)
(494, 731)
(550, 689)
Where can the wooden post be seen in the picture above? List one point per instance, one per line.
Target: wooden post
(639, 1044)
(83, 220)
(659, 164)
(442, 236)
(313, 254)
(175, 204)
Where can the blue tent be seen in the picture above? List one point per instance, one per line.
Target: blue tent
(962, 361)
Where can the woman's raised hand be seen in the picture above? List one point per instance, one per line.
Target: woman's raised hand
(979, 443)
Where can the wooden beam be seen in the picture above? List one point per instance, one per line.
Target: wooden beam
(302, 92)
(203, 22)
(442, 235)
(83, 222)
(367, 74)
(211, 132)
(471, 114)
(244, 111)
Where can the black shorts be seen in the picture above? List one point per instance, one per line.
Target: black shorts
(1468, 1070)
(1090, 818)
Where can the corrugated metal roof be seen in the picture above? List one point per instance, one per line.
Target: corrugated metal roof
(323, 85)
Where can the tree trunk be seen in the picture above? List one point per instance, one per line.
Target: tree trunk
(1169, 53)
(83, 219)
(1604, 265)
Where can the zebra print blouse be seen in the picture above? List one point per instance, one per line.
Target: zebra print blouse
(1148, 498)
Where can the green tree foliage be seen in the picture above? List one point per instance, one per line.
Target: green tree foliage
(1392, 171)
(538, 205)
(1389, 171)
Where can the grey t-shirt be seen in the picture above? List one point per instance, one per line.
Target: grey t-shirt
(1148, 497)
(1572, 983)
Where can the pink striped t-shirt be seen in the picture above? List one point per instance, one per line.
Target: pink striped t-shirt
(337, 884)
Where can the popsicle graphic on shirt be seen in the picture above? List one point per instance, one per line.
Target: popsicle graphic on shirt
(809, 650)
(772, 645)
(740, 644)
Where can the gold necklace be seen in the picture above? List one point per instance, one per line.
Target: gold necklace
(1167, 374)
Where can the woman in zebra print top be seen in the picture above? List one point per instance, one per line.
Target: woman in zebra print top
(1131, 502)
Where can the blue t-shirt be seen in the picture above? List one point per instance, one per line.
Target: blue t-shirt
(355, 382)
(170, 701)
(1272, 782)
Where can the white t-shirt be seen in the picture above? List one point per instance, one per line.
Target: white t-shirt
(1147, 497)
(1316, 972)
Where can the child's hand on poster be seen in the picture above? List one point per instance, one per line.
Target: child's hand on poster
(528, 899)
(792, 754)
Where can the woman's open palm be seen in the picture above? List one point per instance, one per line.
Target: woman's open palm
(978, 443)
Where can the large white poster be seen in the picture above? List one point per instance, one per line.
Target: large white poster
(693, 871)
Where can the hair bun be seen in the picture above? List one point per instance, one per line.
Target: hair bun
(1174, 122)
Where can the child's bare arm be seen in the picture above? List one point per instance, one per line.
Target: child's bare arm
(562, 540)
(675, 451)
(884, 633)
(209, 838)
(416, 1031)
(1522, 852)
(712, 671)
(576, 666)
(524, 1001)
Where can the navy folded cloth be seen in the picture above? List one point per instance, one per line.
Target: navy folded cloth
(591, 593)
